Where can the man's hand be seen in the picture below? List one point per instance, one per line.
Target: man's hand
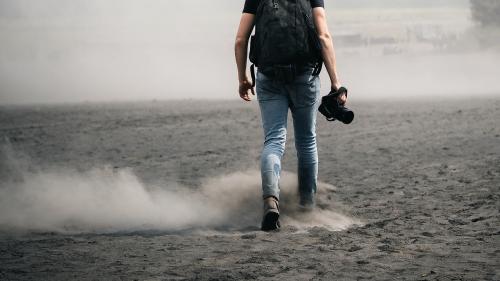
(342, 98)
(245, 89)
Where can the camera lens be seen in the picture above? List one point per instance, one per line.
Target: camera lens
(344, 115)
(347, 117)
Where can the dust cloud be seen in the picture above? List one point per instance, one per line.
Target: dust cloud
(72, 51)
(455, 75)
(105, 200)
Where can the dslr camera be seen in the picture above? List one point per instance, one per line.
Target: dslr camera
(332, 109)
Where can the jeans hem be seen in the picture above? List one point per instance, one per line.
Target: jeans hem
(269, 194)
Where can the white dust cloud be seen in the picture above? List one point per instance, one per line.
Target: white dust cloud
(106, 200)
(88, 50)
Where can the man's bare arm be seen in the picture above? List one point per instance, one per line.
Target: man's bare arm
(240, 51)
(327, 45)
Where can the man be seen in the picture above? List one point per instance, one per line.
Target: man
(301, 96)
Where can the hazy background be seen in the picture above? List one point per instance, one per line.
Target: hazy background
(102, 50)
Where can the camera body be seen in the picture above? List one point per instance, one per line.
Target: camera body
(332, 109)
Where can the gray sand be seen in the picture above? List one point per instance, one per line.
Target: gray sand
(416, 184)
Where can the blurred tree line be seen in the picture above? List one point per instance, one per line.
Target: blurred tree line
(487, 32)
(486, 12)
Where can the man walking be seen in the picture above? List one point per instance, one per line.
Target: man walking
(290, 44)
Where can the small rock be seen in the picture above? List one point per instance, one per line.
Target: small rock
(322, 249)
(249, 236)
(385, 248)
(354, 248)
(478, 219)
(455, 221)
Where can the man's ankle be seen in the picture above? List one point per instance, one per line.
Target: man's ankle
(271, 197)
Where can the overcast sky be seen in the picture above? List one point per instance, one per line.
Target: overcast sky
(94, 50)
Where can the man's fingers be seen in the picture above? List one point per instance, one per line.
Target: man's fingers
(245, 93)
(342, 99)
(244, 96)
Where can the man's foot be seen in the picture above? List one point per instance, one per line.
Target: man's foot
(306, 208)
(270, 221)
(307, 203)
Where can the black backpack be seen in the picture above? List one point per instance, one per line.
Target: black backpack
(285, 37)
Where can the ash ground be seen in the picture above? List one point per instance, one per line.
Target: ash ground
(424, 177)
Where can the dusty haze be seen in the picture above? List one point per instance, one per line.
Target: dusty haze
(104, 200)
(71, 51)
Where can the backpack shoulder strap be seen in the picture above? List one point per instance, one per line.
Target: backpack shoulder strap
(252, 73)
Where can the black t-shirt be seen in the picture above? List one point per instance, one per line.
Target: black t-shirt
(251, 5)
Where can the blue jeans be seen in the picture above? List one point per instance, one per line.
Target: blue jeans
(302, 97)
